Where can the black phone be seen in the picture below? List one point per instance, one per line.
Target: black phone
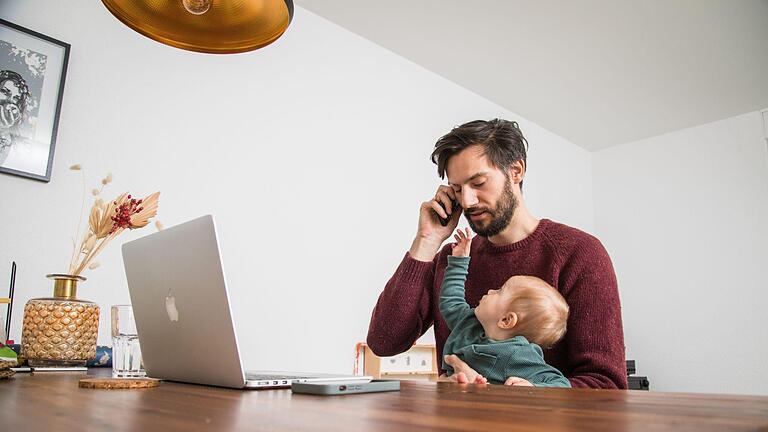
(342, 388)
(454, 206)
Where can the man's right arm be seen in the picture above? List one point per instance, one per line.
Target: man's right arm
(404, 309)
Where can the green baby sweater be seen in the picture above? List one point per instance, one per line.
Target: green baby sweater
(495, 360)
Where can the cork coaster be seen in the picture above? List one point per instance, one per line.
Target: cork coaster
(6, 374)
(7, 364)
(118, 383)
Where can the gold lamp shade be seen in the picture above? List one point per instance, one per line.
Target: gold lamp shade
(209, 26)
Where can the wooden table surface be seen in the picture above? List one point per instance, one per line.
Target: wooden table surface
(53, 402)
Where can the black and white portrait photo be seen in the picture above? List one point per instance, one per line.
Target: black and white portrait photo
(32, 73)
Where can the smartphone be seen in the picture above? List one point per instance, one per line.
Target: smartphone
(454, 206)
(54, 369)
(341, 387)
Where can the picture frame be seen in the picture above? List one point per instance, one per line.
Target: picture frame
(33, 69)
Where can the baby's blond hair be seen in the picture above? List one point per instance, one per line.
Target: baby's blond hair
(542, 313)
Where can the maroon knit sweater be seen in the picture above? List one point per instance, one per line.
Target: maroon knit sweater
(592, 352)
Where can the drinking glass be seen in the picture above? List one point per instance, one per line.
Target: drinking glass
(126, 352)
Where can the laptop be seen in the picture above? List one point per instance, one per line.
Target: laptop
(183, 315)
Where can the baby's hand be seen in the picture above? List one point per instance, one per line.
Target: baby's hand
(463, 243)
(516, 381)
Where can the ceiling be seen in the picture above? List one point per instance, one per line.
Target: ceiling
(598, 73)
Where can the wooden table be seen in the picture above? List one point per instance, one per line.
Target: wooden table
(53, 402)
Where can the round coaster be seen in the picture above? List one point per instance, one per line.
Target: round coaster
(118, 383)
(7, 364)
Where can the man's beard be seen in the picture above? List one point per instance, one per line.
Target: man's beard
(501, 216)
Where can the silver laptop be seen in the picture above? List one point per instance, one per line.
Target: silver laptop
(183, 316)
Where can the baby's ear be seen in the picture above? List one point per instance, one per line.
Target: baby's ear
(508, 321)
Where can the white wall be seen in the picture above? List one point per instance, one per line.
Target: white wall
(312, 153)
(684, 218)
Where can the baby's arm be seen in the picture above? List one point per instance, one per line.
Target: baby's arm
(453, 305)
(551, 378)
(526, 367)
(463, 243)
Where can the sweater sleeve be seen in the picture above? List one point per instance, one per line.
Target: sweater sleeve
(551, 378)
(404, 309)
(594, 339)
(453, 305)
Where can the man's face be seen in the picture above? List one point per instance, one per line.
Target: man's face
(484, 191)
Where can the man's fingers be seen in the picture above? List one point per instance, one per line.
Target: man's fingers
(437, 208)
(445, 200)
(446, 196)
(447, 190)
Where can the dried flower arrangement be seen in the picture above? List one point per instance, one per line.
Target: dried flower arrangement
(106, 221)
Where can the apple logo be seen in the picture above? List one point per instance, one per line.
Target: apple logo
(170, 307)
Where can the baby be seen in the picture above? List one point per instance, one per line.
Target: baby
(502, 337)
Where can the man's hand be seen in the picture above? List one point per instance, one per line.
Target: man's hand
(462, 373)
(463, 243)
(431, 234)
(515, 381)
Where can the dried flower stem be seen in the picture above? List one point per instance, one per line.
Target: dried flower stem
(75, 249)
(106, 220)
(92, 253)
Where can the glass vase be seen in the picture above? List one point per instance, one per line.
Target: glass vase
(60, 331)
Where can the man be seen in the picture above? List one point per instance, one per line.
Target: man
(485, 162)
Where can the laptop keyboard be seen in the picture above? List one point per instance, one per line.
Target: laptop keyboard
(254, 376)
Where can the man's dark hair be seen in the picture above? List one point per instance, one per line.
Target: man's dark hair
(503, 143)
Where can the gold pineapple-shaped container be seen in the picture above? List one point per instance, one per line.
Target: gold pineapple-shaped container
(60, 330)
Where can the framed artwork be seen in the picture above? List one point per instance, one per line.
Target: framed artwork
(32, 72)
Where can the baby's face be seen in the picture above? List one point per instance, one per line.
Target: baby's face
(494, 305)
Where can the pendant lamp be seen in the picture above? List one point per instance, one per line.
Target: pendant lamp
(208, 26)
